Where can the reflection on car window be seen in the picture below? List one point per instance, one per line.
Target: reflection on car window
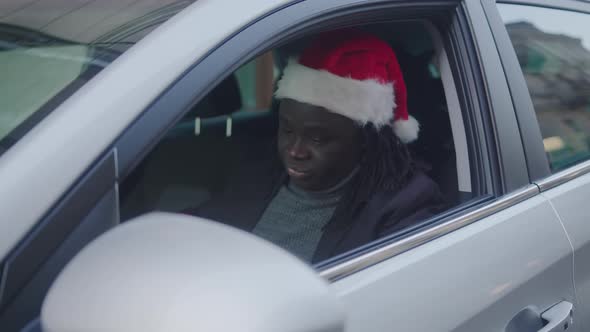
(553, 49)
(49, 49)
(319, 157)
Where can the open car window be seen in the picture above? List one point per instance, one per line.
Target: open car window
(222, 160)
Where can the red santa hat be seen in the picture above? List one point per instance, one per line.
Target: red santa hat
(354, 74)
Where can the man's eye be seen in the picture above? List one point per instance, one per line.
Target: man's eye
(317, 140)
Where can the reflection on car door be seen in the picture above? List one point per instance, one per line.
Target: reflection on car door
(570, 201)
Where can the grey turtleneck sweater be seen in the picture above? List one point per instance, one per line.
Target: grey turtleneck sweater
(295, 218)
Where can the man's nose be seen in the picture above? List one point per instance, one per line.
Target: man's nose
(298, 150)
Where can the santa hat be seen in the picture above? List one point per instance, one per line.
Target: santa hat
(354, 74)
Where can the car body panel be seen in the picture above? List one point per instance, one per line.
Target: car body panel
(475, 279)
(568, 190)
(567, 199)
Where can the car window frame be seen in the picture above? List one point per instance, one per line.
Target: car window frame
(499, 125)
(24, 261)
(496, 176)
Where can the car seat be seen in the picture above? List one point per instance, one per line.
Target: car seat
(192, 161)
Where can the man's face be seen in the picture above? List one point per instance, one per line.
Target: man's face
(318, 148)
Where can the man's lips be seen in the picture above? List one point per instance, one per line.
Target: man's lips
(297, 173)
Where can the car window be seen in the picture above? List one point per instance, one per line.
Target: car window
(49, 49)
(227, 114)
(265, 150)
(553, 49)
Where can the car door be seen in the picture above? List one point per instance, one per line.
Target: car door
(501, 261)
(500, 271)
(553, 56)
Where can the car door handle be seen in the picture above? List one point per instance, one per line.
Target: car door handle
(558, 318)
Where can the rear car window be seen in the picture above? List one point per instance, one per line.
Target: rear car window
(49, 49)
(553, 49)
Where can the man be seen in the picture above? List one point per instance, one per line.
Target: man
(343, 176)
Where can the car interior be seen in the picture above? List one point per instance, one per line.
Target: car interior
(191, 163)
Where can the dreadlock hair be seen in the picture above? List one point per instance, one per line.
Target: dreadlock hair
(386, 165)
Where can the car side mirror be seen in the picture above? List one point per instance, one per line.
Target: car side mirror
(172, 272)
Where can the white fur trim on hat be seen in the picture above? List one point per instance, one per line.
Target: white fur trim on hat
(406, 130)
(362, 101)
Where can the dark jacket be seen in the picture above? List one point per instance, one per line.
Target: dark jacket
(249, 193)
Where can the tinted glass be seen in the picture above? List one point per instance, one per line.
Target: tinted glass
(553, 49)
(50, 48)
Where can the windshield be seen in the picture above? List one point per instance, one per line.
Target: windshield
(51, 48)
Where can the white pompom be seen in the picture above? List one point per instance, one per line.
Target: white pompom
(407, 130)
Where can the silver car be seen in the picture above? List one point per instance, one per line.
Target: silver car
(117, 116)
